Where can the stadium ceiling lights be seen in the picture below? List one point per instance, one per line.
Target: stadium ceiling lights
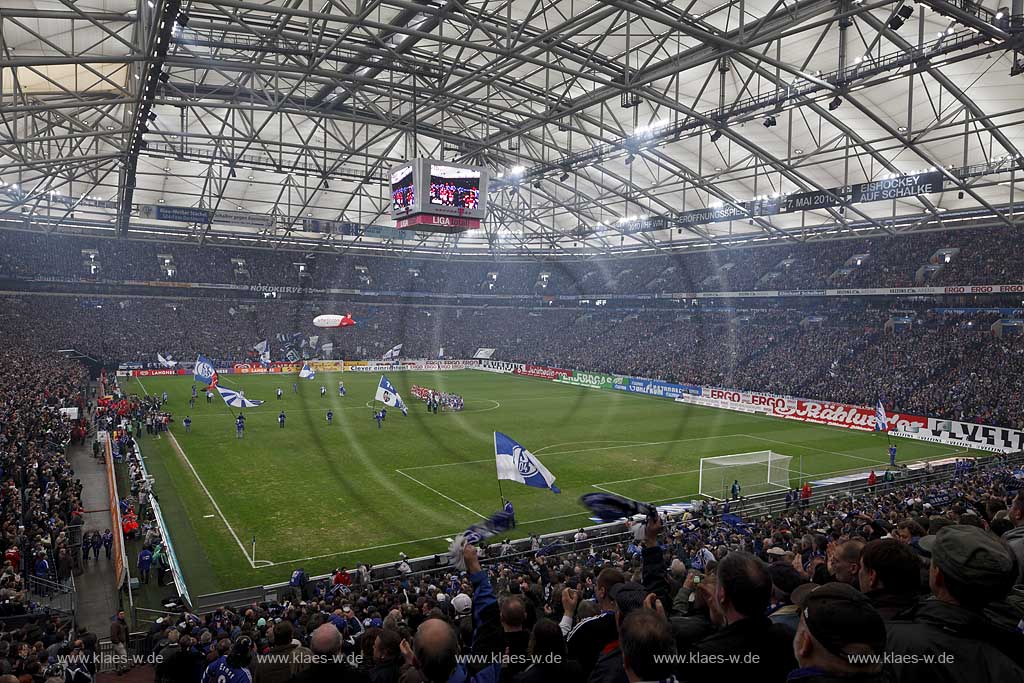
(897, 20)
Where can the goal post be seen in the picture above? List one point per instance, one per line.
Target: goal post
(757, 472)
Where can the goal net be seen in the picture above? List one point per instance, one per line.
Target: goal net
(757, 472)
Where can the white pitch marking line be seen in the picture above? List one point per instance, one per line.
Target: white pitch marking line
(441, 494)
(580, 450)
(810, 448)
(650, 476)
(208, 495)
(578, 443)
(359, 550)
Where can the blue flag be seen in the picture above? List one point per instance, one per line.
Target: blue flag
(518, 464)
(204, 371)
(236, 399)
(881, 421)
(609, 507)
(307, 372)
(387, 395)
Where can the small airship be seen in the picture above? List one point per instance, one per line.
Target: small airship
(331, 320)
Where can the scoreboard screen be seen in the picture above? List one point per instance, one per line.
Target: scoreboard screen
(454, 187)
(403, 190)
(426, 187)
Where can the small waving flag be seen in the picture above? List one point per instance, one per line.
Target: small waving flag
(881, 421)
(307, 372)
(235, 400)
(515, 463)
(394, 352)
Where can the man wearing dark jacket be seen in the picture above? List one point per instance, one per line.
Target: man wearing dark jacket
(387, 657)
(517, 638)
(646, 646)
(284, 659)
(329, 666)
(627, 597)
(837, 624)
(589, 637)
(970, 568)
(1015, 536)
(890, 576)
(738, 597)
(181, 663)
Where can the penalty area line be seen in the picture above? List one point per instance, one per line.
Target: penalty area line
(448, 498)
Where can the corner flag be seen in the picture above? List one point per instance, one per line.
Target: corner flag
(387, 395)
(518, 464)
(881, 421)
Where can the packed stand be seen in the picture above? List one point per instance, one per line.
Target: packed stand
(980, 256)
(941, 365)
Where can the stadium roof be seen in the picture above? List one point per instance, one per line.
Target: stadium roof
(595, 115)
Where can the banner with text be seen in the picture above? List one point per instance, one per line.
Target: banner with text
(501, 367)
(652, 387)
(594, 380)
(543, 372)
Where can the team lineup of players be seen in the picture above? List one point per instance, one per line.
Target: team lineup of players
(403, 197)
(434, 400)
(448, 193)
(442, 193)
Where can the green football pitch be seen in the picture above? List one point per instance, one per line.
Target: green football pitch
(319, 496)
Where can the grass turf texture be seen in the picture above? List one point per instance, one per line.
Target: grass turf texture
(320, 496)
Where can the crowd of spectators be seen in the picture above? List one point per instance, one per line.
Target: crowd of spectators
(849, 588)
(938, 365)
(975, 257)
(40, 502)
(41, 496)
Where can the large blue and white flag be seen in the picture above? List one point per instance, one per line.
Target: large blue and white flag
(307, 372)
(881, 421)
(393, 352)
(387, 395)
(236, 400)
(518, 464)
(204, 371)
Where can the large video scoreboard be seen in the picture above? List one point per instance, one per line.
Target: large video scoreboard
(438, 196)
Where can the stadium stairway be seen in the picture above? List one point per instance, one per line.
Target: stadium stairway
(96, 596)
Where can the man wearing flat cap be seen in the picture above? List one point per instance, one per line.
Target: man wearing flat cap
(838, 630)
(970, 569)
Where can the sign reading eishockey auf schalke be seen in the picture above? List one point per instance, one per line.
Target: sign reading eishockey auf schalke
(654, 387)
(595, 380)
